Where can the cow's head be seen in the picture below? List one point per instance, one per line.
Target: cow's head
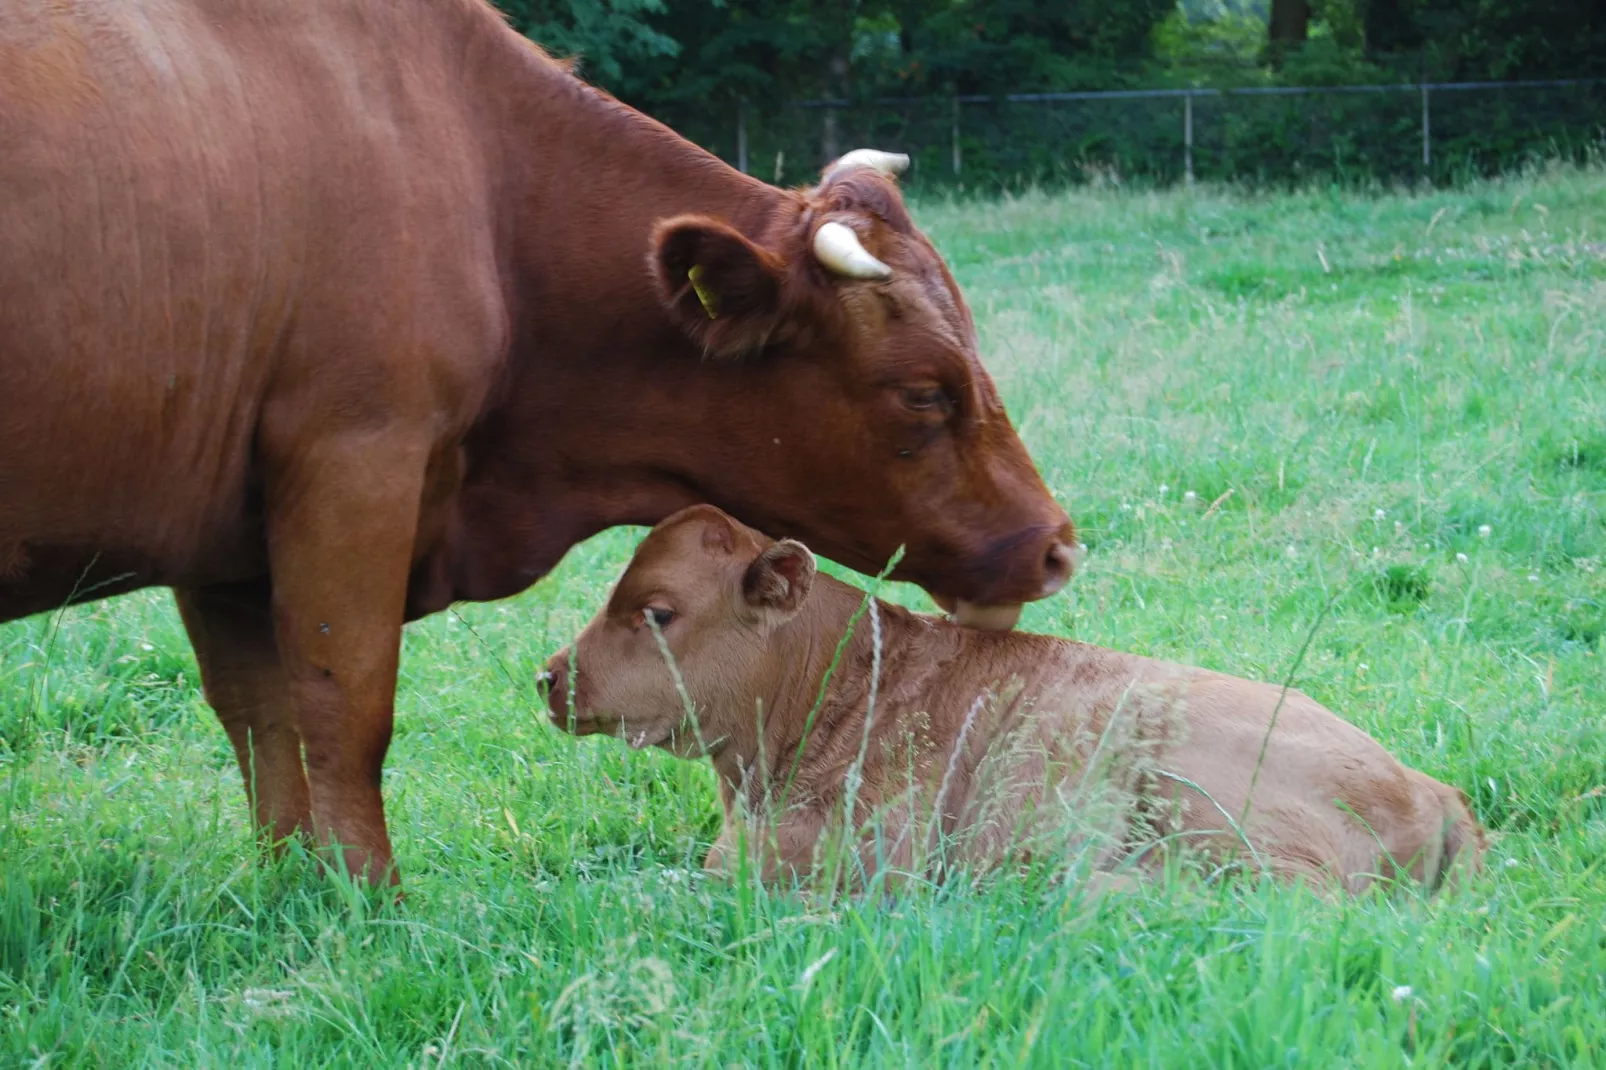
(874, 424)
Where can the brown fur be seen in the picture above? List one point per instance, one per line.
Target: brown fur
(983, 747)
(328, 314)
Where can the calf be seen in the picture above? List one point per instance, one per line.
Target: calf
(974, 747)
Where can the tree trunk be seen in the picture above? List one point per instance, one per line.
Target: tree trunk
(1290, 24)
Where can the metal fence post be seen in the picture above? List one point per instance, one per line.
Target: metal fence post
(1427, 144)
(741, 135)
(957, 160)
(1187, 137)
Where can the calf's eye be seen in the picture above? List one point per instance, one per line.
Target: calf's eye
(658, 616)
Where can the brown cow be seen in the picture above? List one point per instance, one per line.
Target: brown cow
(982, 746)
(327, 314)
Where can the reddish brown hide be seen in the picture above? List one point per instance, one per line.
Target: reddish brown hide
(331, 313)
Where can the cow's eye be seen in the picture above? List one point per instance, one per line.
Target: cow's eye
(927, 399)
(657, 616)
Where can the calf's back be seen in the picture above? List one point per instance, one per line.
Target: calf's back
(1062, 739)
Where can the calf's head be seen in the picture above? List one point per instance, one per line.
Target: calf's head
(860, 417)
(710, 592)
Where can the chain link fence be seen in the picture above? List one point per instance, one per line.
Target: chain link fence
(1442, 131)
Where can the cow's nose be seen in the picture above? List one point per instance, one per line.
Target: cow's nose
(1058, 564)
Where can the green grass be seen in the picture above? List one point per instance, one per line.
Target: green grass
(1388, 407)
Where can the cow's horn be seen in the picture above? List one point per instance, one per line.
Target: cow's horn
(838, 248)
(888, 163)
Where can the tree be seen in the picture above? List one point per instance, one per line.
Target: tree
(1494, 39)
(1390, 28)
(996, 45)
(604, 35)
(1288, 27)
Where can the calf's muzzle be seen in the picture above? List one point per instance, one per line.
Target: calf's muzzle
(552, 684)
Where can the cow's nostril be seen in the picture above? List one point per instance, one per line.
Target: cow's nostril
(1058, 564)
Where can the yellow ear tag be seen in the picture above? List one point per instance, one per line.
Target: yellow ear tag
(709, 299)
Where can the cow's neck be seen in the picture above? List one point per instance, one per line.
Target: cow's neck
(597, 379)
(912, 651)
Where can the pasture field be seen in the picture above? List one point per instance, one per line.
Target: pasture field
(1369, 427)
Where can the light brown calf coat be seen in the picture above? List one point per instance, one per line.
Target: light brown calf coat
(982, 747)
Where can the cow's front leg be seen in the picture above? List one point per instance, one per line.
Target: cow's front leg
(342, 515)
(231, 628)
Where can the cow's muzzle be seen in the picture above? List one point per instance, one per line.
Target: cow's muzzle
(1051, 565)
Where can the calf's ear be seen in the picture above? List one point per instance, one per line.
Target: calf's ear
(778, 580)
(721, 289)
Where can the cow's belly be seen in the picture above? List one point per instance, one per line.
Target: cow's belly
(48, 577)
(44, 572)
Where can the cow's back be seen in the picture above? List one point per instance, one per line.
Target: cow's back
(203, 202)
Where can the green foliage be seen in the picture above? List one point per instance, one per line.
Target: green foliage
(763, 50)
(1489, 39)
(990, 46)
(1210, 37)
(1252, 405)
(772, 50)
(605, 35)
(692, 61)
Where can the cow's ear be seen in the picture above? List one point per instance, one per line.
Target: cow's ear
(723, 290)
(777, 583)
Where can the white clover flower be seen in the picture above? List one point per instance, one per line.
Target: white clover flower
(1484, 531)
(1292, 552)
(1379, 514)
(1401, 993)
(1462, 558)
(1190, 498)
(1164, 488)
